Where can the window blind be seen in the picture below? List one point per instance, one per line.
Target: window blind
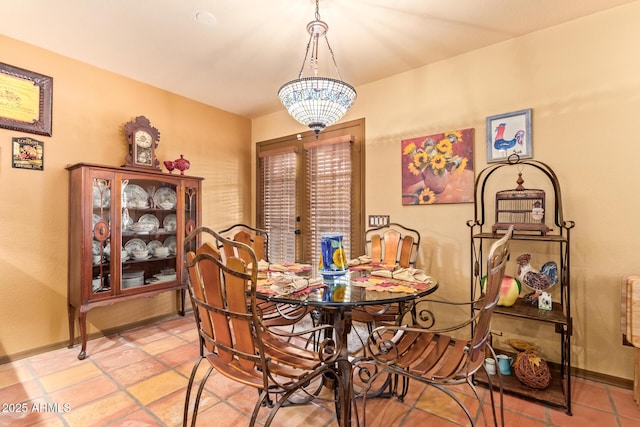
(278, 191)
(329, 193)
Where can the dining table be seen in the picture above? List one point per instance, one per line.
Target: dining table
(334, 295)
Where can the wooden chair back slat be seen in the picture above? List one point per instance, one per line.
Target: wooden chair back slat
(393, 244)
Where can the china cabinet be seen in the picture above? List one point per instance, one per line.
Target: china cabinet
(540, 229)
(126, 233)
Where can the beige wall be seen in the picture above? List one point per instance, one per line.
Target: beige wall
(582, 81)
(90, 108)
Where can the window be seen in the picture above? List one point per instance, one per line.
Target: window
(307, 187)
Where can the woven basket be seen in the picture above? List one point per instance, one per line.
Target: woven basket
(529, 373)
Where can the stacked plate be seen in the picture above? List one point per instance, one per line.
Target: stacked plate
(132, 279)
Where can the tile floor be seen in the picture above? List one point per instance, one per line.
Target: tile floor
(139, 377)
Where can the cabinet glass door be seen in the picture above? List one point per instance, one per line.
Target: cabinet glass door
(148, 221)
(190, 213)
(101, 235)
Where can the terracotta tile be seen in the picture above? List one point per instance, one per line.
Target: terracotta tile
(162, 345)
(105, 344)
(190, 336)
(168, 410)
(515, 404)
(14, 373)
(583, 416)
(179, 355)
(224, 415)
(440, 404)
(383, 412)
(420, 418)
(302, 416)
(157, 387)
(67, 377)
(55, 361)
(178, 325)
(624, 403)
(85, 392)
(591, 394)
(120, 357)
(103, 411)
(29, 414)
(220, 385)
(145, 335)
(21, 392)
(140, 418)
(138, 371)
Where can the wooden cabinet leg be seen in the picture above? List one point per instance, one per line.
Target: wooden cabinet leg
(71, 312)
(82, 325)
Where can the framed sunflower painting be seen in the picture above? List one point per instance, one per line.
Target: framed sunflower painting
(438, 168)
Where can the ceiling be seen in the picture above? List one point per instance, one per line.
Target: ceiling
(237, 58)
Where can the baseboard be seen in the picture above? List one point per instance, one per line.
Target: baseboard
(602, 378)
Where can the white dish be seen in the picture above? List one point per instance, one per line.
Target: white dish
(141, 259)
(165, 277)
(170, 222)
(95, 248)
(142, 227)
(136, 196)
(135, 245)
(170, 242)
(149, 219)
(152, 245)
(163, 196)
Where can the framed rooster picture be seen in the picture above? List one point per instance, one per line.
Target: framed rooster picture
(509, 134)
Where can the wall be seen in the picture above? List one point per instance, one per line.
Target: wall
(581, 80)
(90, 108)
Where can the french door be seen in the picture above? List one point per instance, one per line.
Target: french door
(308, 186)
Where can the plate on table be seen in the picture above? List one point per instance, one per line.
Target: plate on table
(165, 196)
(106, 197)
(170, 242)
(136, 196)
(169, 222)
(152, 245)
(150, 219)
(135, 245)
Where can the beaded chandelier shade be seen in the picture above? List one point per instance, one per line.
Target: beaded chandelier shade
(317, 102)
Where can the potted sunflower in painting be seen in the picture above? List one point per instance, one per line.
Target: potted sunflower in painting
(435, 168)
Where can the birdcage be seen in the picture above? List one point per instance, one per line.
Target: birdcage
(523, 208)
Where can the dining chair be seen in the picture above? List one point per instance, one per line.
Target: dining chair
(274, 314)
(256, 238)
(442, 357)
(233, 338)
(390, 244)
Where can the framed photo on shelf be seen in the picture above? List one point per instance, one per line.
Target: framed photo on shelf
(509, 134)
(25, 100)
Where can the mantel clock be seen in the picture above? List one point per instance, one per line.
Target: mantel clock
(143, 141)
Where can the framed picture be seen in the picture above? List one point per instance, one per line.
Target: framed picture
(25, 100)
(27, 154)
(438, 169)
(509, 134)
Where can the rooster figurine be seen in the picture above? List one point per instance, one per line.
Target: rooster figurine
(499, 143)
(538, 281)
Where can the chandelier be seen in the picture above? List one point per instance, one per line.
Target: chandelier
(317, 102)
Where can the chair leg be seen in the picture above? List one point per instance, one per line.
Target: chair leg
(185, 415)
(493, 406)
(199, 395)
